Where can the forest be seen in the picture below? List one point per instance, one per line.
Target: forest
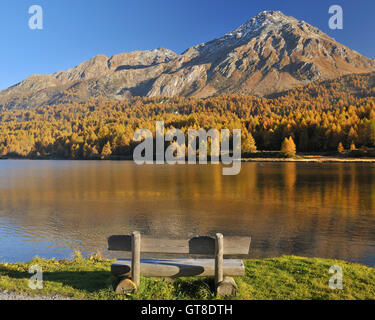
(330, 116)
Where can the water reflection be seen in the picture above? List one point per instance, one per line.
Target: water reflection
(49, 208)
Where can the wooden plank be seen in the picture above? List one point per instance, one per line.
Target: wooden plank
(174, 268)
(219, 256)
(233, 246)
(136, 257)
(120, 243)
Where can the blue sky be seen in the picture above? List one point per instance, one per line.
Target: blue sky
(76, 30)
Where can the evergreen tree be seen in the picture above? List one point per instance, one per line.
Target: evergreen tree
(303, 144)
(372, 131)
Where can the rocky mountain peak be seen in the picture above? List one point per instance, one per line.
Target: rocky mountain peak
(269, 53)
(270, 19)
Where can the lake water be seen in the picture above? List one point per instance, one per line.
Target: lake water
(51, 208)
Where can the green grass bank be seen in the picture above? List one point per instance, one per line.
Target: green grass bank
(284, 278)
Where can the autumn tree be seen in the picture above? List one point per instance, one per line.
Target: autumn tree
(288, 147)
(106, 151)
(352, 135)
(248, 144)
(340, 148)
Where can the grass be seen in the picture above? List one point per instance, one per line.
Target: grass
(284, 278)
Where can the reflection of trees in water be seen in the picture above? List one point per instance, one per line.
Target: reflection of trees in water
(307, 209)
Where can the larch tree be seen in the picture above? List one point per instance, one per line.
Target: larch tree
(340, 148)
(106, 151)
(288, 147)
(248, 143)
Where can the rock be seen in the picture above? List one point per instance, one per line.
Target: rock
(227, 288)
(126, 286)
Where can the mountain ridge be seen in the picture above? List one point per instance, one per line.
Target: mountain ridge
(269, 53)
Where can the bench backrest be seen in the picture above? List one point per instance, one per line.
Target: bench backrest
(234, 247)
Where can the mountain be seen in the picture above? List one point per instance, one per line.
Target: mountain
(268, 54)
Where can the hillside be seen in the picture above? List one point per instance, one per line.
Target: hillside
(318, 117)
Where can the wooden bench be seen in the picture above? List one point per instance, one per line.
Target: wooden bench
(197, 257)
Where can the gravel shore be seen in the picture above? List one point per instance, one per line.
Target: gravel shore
(10, 295)
(312, 159)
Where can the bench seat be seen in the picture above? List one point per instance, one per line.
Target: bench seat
(178, 267)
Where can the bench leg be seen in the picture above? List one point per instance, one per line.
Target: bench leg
(219, 255)
(136, 257)
(227, 288)
(125, 286)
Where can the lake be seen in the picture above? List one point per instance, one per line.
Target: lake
(51, 208)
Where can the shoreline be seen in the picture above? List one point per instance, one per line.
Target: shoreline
(312, 159)
(301, 159)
